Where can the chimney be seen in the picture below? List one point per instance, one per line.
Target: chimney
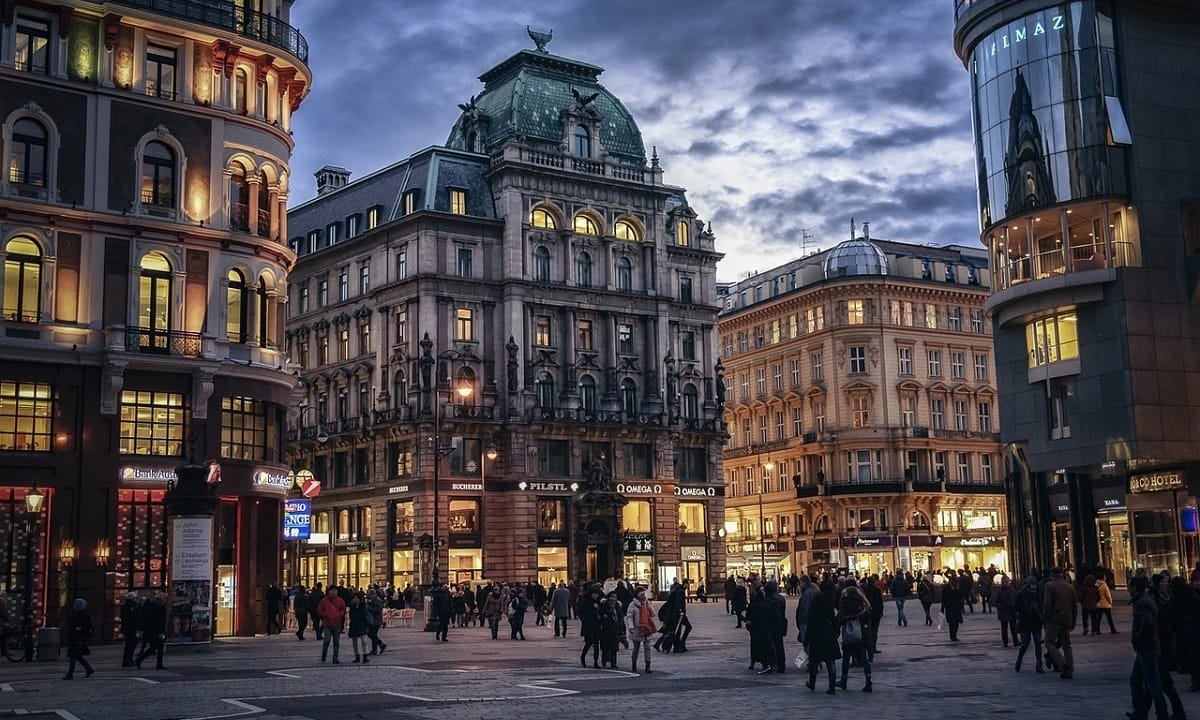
(330, 178)
(866, 231)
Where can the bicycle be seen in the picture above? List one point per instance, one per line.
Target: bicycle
(16, 645)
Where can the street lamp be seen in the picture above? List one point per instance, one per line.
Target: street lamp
(34, 499)
(762, 521)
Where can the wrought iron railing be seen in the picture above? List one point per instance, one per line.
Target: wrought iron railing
(229, 16)
(163, 342)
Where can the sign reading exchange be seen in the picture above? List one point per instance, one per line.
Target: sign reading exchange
(1153, 482)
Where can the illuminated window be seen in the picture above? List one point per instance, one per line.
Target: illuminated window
(683, 234)
(625, 339)
(343, 343)
(158, 175)
(636, 516)
(1052, 339)
(27, 163)
(464, 325)
(854, 312)
(26, 416)
(542, 218)
(931, 317)
(154, 303)
(33, 45)
(815, 319)
(410, 202)
(373, 217)
(152, 423)
(458, 202)
(160, 72)
(625, 230)
(541, 331)
(243, 428)
(585, 340)
(235, 308)
(22, 280)
(585, 225)
(464, 517)
(861, 407)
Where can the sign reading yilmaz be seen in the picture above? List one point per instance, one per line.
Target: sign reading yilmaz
(1151, 482)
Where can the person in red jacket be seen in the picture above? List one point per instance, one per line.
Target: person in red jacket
(332, 610)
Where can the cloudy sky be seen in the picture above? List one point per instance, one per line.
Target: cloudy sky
(776, 115)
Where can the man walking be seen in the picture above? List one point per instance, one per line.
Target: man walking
(560, 603)
(1144, 682)
(300, 610)
(154, 630)
(332, 610)
(899, 591)
(274, 598)
(1058, 612)
(441, 609)
(131, 622)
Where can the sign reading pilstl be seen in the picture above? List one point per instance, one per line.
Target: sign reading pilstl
(1152, 482)
(297, 519)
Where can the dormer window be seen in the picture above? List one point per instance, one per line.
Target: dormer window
(458, 202)
(683, 234)
(583, 142)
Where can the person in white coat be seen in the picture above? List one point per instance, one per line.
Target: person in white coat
(639, 619)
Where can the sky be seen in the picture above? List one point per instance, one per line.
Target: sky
(781, 118)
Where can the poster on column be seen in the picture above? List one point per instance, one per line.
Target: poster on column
(190, 618)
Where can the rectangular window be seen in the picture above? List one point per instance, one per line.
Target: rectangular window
(464, 262)
(685, 289)
(985, 417)
(855, 314)
(981, 367)
(985, 467)
(304, 298)
(797, 422)
(639, 460)
(794, 325)
(906, 317)
(304, 351)
(364, 337)
(584, 338)
(860, 406)
(352, 224)
(760, 380)
(858, 359)
(625, 339)
(400, 460)
(958, 369)
(779, 425)
(745, 384)
(815, 360)
(777, 377)
(26, 416)
(1052, 339)
(243, 429)
(314, 241)
(960, 415)
(775, 332)
(152, 423)
(344, 343)
(160, 71)
(894, 311)
(373, 217)
(939, 466)
(364, 279)
(401, 263)
(1060, 395)
(818, 408)
(931, 316)
(33, 45)
(937, 412)
(401, 325)
(554, 457)
(323, 350)
(954, 318)
(333, 233)
(687, 344)
(815, 319)
(458, 202)
(908, 410)
(343, 286)
(935, 363)
(964, 467)
(464, 324)
(762, 429)
(691, 464)
(905, 357)
(541, 331)
(977, 321)
(323, 293)
(794, 367)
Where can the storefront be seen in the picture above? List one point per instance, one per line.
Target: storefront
(751, 557)
(825, 554)
(974, 551)
(1059, 499)
(1112, 532)
(921, 553)
(869, 554)
(402, 569)
(1164, 521)
(639, 556)
(465, 555)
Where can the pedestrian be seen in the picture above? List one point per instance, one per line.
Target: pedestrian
(808, 590)
(702, 592)
(301, 610)
(1028, 608)
(872, 589)
(442, 610)
(899, 590)
(1103, 606)
(359, 622)
(517, 607)
(612, 629)
(1004, 601)
(314, 600)
(952, 604)
(274, 598)
(853, 613)
(77, 640)
(984, 587)
(778, 609)
(966, 587)
(730, 586)
(375, 602)
(154, 630)
(1089, 597)
(1168, 661)
(925, 594)
(493, 608)
(759, 621)
(821, 641)
(560, 603)
(587, 609)
(332, 611)
(131, 626)
(740, 602)
(1145, 680)
(407, 595)
(1058, 616)
(639, 619)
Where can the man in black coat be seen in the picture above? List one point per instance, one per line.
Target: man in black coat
(300, 610)
(875, 596)
(131, 625)
(740, 602)
(440, 607)
(730, 588)
(154, 629)
(274, 598)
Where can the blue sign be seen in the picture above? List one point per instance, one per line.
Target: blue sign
(297, 516)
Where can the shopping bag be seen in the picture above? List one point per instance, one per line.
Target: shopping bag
(801, 659)
(941, 619)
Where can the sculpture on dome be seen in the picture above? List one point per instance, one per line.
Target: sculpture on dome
(540, 39)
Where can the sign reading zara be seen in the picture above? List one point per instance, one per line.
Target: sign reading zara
(1155, 481)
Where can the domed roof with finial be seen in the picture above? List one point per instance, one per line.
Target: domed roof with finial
(856, 256)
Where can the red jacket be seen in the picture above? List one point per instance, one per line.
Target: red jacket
(332, 610)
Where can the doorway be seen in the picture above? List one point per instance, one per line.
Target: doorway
(226, 592)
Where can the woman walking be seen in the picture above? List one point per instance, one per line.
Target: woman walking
(821, 638)
(493, 608)
(359, 622)
(853, 616)
(639, 618)
(1103, 607)
(952, 606)
(516, 614)
(1089, 597)
(925, 595)
(612, 628)
(587, 609)
(77, 637)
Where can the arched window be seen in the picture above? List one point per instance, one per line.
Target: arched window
(583, 269)
(541, 264)
(154, 303)
(822, 525)
(683, 234)
(625, 230)
(583, 142)
(239, 199)
(22, 280)
(27, 164)
(690, 401)
(624, 274)
(241, 84)
(629, 404)
(264, 302)
(918, 521)
(264, 206)
(545, 390)
(587, 393)
(585, 225)
(542, 218)
(235, 307)
(158, 175)
(399, 389)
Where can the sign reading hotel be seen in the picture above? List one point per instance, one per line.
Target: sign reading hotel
(1154, 482)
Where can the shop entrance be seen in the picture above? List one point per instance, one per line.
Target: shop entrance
(226, 592)
(1062, 544)
(1113, 532)
(869, 563)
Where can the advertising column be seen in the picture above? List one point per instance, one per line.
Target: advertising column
(191, 502)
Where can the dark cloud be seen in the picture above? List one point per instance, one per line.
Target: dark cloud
(779, 117)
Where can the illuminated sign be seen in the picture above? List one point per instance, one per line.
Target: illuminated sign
(695, 491)
(548, 486)
(297, 519)
(979, 541)
(1153, 482)
(639, 489)
(272, 480)
(130, 473)
(397, 489)
(466, 486)
(1053, 23)
(639, 543)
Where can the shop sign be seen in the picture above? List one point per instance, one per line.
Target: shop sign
(272, 480)
(318, 538)
(1154, 482)
(754, 548)
(297, 519)
(984, 541)
(639, 489)
(397, 489)
(135, 474)
(685, 491)
(548, 486)
(866, 542)
(466, 486)
(1109, 498)
(926, 540)
(552, 540)
(693, 554)
(639, 544)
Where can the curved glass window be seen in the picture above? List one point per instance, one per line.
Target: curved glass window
(542, 218)
(585, 225)
(239, 199)
(22, 280)
(625, 230)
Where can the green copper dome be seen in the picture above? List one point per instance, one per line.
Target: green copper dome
(524, 96)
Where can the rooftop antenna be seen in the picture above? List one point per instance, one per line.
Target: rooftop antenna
(805, 237)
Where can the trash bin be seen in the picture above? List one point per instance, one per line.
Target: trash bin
(47, 643)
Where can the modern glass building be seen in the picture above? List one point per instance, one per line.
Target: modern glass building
(1085, 120)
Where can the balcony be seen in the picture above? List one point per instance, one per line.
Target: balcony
(599, 417)
(590, 167)
(965, 435)
(892, 487)
(402, 413)
(228, 16)
(163, 342)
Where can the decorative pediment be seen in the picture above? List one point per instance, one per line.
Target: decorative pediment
(363, 312)
(909, 386)
(628, 364)
(545, 358)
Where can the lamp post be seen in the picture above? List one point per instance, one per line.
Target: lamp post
(34, 499)
(762, 521)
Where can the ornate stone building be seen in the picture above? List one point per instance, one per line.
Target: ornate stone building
(538, 264)
(145, 150)
(861, 411)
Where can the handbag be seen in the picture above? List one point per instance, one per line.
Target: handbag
(852, 632)
(801, 659)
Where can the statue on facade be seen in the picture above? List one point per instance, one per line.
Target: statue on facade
(600, 476)
(511, 347)
(720, 369)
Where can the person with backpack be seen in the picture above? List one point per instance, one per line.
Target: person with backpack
(1028, 608)
(925, 593)
(853, 614)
